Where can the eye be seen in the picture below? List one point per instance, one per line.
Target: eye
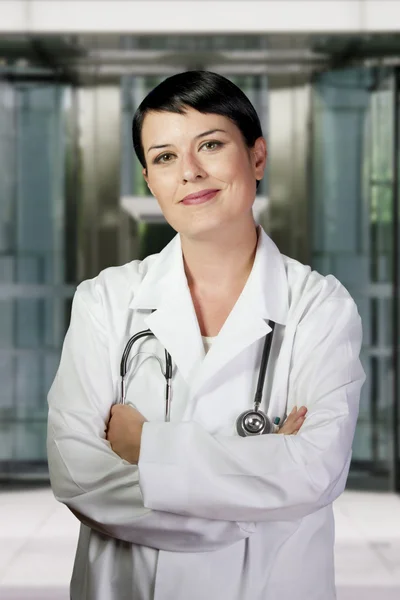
(212, 145)
(163, 158)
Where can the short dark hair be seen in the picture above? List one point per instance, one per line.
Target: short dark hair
(204, 91)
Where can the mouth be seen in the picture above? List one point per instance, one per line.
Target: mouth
(199, 197)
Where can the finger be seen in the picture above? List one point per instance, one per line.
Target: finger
(287, 428)
(302, 411)
(299, 422)
(296, 414)
(291, 415)
(138, 414)
(300, 419)
(298, 426)
(292, 424)
(296, 409)
(121, 408)
(291, 419)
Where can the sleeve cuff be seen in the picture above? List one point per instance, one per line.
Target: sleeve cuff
(161, 480)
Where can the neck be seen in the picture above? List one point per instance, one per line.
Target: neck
(222, 261)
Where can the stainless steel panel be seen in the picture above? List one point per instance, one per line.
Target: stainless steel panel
(100, 224)
(288, 146)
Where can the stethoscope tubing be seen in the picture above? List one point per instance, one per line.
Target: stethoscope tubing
(263, 366)
(168, 370)
(241, 422)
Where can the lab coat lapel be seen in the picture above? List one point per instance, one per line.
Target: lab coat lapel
(239, 331)
(264, 298)
(173, 322)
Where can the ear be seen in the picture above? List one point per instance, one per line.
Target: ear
(259, 152)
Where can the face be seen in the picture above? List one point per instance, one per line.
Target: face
(202, 156)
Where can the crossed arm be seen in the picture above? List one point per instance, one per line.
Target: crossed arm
(125, 426)
(214, 488)
(100, 487)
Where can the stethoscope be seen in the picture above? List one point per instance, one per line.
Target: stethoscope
(249, 422)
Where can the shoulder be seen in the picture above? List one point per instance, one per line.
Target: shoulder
(313, 295)
(114, 287)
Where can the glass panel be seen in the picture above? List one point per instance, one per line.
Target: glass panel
(32, 299)
(352, 235)
(379, 189)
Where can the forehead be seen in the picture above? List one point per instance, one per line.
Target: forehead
(168, 127)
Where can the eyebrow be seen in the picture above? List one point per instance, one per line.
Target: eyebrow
(196, 138)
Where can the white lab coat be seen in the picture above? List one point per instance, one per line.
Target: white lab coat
(206, 514)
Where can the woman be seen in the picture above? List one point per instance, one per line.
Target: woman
(188, 509)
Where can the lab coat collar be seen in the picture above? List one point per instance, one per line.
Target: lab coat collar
(266, 288)
(174, 322)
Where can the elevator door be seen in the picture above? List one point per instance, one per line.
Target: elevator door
(353, 238)
(33, 294)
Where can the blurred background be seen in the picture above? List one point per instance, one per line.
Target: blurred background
(324, 77)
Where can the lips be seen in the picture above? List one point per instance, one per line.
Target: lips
(199, 197)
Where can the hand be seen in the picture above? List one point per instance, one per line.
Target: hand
(294, 421)
(124, 432)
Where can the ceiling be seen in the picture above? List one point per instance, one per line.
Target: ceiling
(77, 56)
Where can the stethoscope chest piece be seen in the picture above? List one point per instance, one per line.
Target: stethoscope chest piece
(253, 422)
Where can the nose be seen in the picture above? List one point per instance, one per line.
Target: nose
(192, 168)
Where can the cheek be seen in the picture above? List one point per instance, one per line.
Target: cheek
(164, 188)
(234, 169)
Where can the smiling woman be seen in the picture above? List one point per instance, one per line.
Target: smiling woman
(194, 506)
(201, 148)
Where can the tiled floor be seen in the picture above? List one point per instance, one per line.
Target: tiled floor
(368, 546)
(38, 538)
